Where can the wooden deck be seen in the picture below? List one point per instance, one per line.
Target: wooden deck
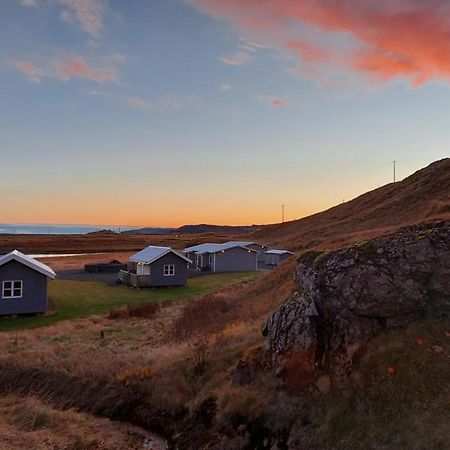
(131, 279)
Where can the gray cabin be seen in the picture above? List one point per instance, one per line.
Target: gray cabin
(275, 257)
(23, 283)
(227, 257)
(156, 267)
(260, 248)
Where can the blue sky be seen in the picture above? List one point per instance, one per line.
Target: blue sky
(163, 113)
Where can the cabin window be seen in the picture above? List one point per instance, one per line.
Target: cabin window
(169, 270)
(12, 289)
(210, 259)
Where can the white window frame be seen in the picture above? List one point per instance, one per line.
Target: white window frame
(12, 289)
(169, 270)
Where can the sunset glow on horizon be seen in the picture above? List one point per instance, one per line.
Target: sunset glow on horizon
(173, 112)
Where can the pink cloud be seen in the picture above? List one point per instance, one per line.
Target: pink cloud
(89, 13)
(64, 69)
(277, 102)
(77, 68)
(66, 16)
(28, 2)
(380, 39)
(29, 69)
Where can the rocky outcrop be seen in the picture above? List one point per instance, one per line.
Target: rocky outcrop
(345, 298)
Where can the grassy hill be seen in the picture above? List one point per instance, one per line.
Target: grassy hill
(425, 195)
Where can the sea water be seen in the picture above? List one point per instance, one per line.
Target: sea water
(12, 228)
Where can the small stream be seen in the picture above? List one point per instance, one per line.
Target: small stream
(61, 255)
(151, 440)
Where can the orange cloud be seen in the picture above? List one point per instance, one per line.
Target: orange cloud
(384, 39)
(64, 69)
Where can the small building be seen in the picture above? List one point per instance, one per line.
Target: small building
(260, 248)
(227, 257)
(113, 266)
(23, 283)
(156, 267)
(275, 257)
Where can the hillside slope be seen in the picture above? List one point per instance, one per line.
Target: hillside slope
(425, 195)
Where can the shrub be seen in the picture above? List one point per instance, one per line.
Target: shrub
(309, 257)
(29, 415)
(142, 374)
(145, 310)
(367, 248)
(200, 350)
(321, 259)
(200, 316)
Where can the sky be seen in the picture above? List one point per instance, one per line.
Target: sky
(170, 112)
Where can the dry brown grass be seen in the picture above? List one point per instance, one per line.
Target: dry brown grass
(247, 303)
(424, 195)
(140, 352)
(100, 242)
(145, 310)
(140, 356)
(28, 423)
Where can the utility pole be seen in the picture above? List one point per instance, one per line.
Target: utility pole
(282, 213)
(395, 167)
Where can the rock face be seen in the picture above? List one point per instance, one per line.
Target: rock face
(345, 298)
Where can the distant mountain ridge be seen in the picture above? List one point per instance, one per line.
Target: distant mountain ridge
(196, 229)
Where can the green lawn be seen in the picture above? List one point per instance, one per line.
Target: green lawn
(78, 299)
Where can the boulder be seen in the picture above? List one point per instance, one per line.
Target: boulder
(344, 298)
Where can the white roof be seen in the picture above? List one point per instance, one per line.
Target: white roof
(279, 252)
(240, 243)
(202, 248)
(28, 261)
(215, 248)
(152, 253)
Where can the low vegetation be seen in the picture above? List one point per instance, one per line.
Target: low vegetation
(78, 299)
(141, 353)
(401, 392)
(178, 368)
(29, 423)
